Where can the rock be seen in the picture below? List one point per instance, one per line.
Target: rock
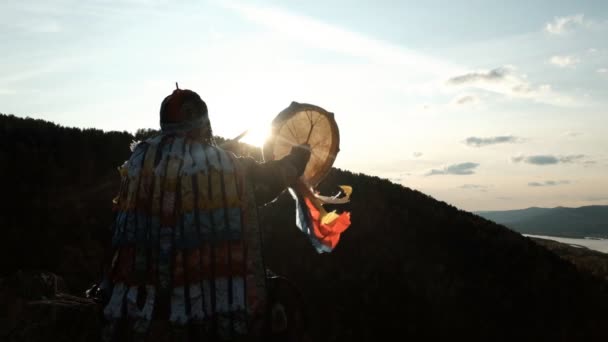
(36, 309)
(63, 318)
(33, 284)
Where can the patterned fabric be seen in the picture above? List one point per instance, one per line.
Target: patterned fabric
(186, 240)
(322, 228)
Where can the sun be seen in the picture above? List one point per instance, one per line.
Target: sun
(256, 136)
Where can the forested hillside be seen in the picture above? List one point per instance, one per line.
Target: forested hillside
(409, 265)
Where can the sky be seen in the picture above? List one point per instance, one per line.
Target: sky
(486, 105)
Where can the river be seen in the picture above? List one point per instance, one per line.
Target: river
(600, 245)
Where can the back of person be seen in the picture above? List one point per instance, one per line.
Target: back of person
(186, 247)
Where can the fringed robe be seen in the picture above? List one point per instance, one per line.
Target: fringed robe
(186, 240)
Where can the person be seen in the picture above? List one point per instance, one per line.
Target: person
(186, 253)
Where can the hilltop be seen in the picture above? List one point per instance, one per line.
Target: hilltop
(409, 265)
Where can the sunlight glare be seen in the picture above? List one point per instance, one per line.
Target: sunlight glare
(257, 136)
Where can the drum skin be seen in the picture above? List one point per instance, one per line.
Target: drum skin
(303, 123)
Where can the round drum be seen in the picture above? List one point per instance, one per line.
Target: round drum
(302, 123)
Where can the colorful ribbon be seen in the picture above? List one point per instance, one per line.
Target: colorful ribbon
(323, 228)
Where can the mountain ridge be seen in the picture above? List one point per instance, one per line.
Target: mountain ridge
(409, 265)
(535, 207)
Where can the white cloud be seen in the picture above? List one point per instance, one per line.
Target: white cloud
(602, 71)
(478, 187)
(564, 61)
(549, 183)
(485, 141)
(506, 81)
(322, 35)
(562, 25)
(467, 168)
(548, 159)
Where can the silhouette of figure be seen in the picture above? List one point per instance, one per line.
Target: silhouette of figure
(186, 259)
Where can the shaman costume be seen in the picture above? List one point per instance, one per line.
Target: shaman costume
(186, 239)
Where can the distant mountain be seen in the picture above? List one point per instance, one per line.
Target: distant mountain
(588, 221)
(409, 266)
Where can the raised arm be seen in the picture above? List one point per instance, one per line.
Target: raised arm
(271, 178)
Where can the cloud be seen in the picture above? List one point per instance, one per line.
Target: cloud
(541, 160)
(455, 169)
(548, 183)
(494, 75)
(571, 158)
(478, 187)
(602, 71)
(562, 25)
(479, 142)
(319, 34)
(417, 154)
(572, 134)
(465, 99)
(505, 81)
(564, 61)
(548, 159)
